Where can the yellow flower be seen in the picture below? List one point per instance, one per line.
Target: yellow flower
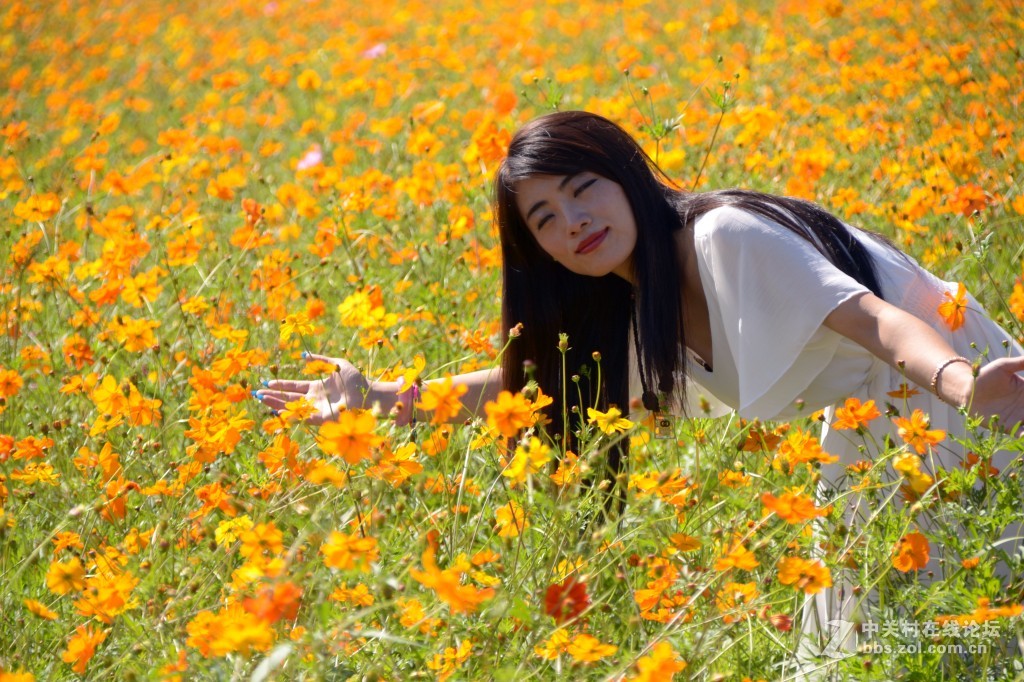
(299, 323)
(554, 646)
(529, 459)
(511, 520)
(609, 422)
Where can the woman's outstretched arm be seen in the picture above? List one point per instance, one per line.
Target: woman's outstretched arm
(902, 339)
(348, 388)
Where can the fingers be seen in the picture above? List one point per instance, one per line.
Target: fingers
(1015, 363)
(286, 396)
(286, 386)
(272, 401)
(277, 404)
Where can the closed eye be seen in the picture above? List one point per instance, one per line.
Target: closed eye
(588, 183)
(544, 220)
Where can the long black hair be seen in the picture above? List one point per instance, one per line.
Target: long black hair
(547, 299)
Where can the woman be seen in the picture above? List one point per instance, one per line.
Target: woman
(771, 304)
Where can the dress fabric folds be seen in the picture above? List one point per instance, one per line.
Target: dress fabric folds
(768, 291)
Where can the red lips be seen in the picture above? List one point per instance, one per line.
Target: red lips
(592, 242)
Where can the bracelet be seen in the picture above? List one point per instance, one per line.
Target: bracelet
(412, 404)
(934, 385)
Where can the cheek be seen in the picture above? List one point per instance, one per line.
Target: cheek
(545, 243)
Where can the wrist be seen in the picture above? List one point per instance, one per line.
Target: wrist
(395, 402)
(953, 381)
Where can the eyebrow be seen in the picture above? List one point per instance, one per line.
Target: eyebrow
(561, 186)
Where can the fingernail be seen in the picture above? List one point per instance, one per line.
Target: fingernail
(274, 412)
(305, 355)
(265, 382)
(254, 394)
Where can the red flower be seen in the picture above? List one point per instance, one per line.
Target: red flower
(565, 601)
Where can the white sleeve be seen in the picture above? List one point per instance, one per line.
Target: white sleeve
(773, 290)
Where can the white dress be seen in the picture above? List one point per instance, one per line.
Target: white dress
(768, 292)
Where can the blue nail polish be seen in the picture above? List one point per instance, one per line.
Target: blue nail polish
(254, 395)
(265, 382)
(305, 355)
(274, 412)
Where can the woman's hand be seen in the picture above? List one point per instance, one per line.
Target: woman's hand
(345, 388)
(999, 391)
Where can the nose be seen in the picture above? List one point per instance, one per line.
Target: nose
(579, 219)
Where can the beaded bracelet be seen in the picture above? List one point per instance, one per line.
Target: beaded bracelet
(412, 405)
(934, 385)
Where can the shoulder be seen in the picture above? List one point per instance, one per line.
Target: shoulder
(731, 222)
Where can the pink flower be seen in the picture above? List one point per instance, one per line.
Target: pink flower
(313, 157)
(377, 50)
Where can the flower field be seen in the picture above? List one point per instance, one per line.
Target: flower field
(194, 194)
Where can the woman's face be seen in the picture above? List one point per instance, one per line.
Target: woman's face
(583, 221)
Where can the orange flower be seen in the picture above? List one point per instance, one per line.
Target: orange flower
(38, 207)
(810, 576)
(351, 437)
(443, 398)
(912, 553)
(587, 649)
(82, 647)
(263, 540)
(511, 520)
(904, 392)
(66, 539)
(737, 557)
(800, 447)
(792, 507)
(40, 609)
(10, 382)
(660, 665)
(346, 552)
(732, 599)
(855, 415)
(509, 413)
(915, 431)
(983, 613)
(953, 308)
(279, 602)
(451, 660)
(66, 576)
(447, 584)
(298, 410)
